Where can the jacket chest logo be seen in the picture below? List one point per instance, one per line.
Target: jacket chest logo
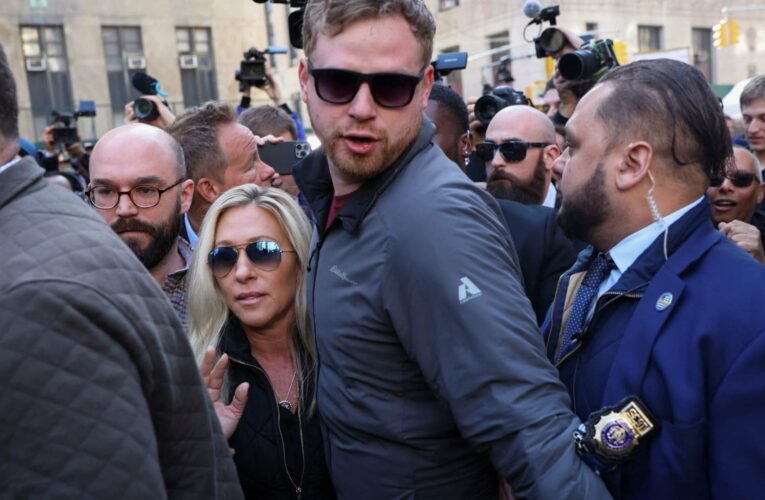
(342, 275)
(467, 290)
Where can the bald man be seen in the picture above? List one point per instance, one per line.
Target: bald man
(139, 186)
(519, 151)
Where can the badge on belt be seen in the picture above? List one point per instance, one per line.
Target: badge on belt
(613, 434)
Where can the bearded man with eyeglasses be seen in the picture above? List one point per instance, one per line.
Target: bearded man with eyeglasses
(138, 185)
(432, 380)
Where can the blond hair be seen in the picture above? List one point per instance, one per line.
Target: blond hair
(330, 17)
(207, 308)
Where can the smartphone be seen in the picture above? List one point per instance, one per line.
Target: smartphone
(283, 155)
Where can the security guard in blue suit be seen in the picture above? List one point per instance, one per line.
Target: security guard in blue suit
(658, 330)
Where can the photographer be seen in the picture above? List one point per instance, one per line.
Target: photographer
(569, 91)
(79, 158)
(162, 118)
(270, 86)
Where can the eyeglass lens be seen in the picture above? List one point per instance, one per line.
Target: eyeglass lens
(266, 255)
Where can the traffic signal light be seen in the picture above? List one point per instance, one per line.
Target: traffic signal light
(620, 49)
(726, 33)
(734, 31)
(720, 34)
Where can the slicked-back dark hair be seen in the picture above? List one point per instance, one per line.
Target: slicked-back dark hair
(452, 101)
(9, 106)
(670, 105)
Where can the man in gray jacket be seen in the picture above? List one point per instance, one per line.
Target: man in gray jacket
(100, 395)
(432, 372)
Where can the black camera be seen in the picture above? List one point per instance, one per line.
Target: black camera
(501, 97)
(252, 69)
(551, 41)
(144, 109)
(590, 62)
(294, 20)
(65, 124)
(448, 62)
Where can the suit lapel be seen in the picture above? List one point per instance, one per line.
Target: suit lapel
(659, 302)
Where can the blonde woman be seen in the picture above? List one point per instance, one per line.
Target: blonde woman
(247, 299)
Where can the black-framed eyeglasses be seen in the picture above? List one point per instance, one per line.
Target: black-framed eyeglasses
(106, 197)
(740, 179)
(340, 86)
(264, 254)
(511, 151)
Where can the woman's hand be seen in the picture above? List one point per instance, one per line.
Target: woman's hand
(228, 415)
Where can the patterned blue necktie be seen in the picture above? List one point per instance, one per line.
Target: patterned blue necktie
(599, 270)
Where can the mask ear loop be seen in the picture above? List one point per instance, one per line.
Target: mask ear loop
(655, 212)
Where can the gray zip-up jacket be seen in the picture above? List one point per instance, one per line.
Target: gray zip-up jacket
(432, 371)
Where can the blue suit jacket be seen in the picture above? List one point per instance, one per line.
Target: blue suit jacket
(698, 364)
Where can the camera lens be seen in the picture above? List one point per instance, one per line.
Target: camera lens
(552, 40)
(145, 110)
(578, 65)
(488, 106)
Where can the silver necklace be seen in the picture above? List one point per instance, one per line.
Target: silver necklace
(285, 403)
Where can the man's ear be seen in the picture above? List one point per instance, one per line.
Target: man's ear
(466, 144)
(550, 154)
(427, 85)
(303, 77)
(635, 161)
(208, 189)
(187, 194)
(760, 192)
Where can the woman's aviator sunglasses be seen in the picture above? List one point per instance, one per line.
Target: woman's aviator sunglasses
(389, 90)
(266, 255)
(511, 151)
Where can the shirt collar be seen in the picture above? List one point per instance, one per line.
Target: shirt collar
(193, 238)
(185, 251)
(626, 252)
(551, 198)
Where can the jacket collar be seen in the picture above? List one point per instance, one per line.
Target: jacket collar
(313, 177)
(18, 179)
(645, 267)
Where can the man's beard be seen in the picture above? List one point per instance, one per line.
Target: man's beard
(359, 168)
(529, 194)
(161, 237)
(581, 212)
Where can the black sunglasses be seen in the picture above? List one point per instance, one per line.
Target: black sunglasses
(266, 255)
(739, 179)
(511, 151)
(389, 90)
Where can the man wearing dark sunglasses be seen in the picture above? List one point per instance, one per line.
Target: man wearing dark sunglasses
(519, 152)
(657, 329)
(734, 200)
(432, 377)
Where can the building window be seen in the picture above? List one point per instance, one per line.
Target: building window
(501, 69)
(124, 57)
(702, 51)
(45, 59)
(195, 57)
(448, 4)
(650, 38)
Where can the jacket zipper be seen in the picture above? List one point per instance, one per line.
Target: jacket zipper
(598, 307)
(298, 487)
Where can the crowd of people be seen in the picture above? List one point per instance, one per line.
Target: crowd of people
(579, 321)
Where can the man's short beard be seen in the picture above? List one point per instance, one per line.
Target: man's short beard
(161, 237)
(581, 212)
(532, 193)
